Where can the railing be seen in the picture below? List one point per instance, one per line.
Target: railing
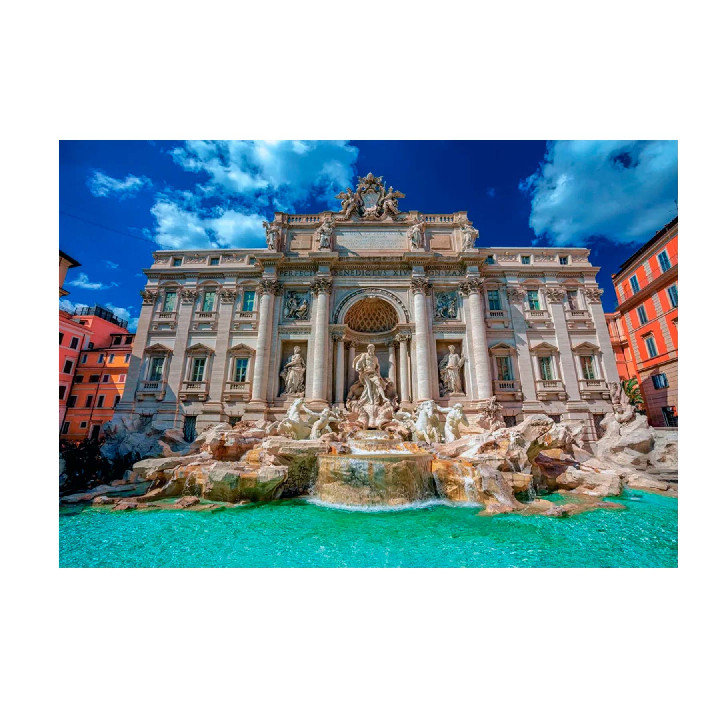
(506, 385)
(304, 219)
(166, 315)
(246, 314)
(201, 315)
(586, 384)
(496, 313)
(438, 218)
(151, 385)
(550, 385)
(191, 387)
(238, 387)
(578, 313)
(537, 313)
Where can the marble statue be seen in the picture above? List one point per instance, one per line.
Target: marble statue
(350, 203)
(271, 235)
(388, 202)
(416, 235)
(623, 409)
(321, 426)
(292, 425)
(469, 235)
(324, 233)
(368, 369)
(427, 422)
(293, 374)
(490, 414)
(296, 306)
(450, 378)
(454, 416)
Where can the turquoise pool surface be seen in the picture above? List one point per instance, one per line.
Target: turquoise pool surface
(298, 533)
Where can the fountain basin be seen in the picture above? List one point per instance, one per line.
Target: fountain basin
(362, 479)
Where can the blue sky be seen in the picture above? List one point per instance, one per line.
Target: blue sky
(121, 200)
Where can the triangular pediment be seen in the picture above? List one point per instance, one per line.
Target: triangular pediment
(241, 349)
(158, 349)
(544, 347)
(199, 349)
(502, 348)
(587, 347)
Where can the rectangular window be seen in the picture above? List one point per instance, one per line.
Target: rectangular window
(117, 340)
(156, 369)
(84, 358)
(208, 301)
(101, 358)
(101, 401)
(177, 262)
(72, 400)
(83, 424)
(169, 301)
(117, 400)
(504, 368)
(494, 300)
(61, 338)
(241, 369)
(128, 339)
(74, 343)
(248, 301)
(88, 401)
(198, 369)
(63, 388)
(490, 259)
(67, 369)
(659, 381)
(127, 359)
(122, 378)
(111, 358)
(650, 345)
(525, 259)
(78, 379)
(214, 260)
(673, 295)
(664, 261)
(642, 315)
(106, 378)
(587, 364)
(66, 428)
(572, 299)
(91, 345)
(94, 378)
(546, 368)
(510, 420)
(563, 259)
(634, 284)
(533, 300)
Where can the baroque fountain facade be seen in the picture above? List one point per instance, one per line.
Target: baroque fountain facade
(372, 356)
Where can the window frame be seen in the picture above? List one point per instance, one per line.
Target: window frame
(74, 342)
(634, 286)
(235, 364)
(664, 254)
(673, 296)
(642, 318)
(650, 338)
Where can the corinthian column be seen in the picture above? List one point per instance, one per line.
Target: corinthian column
(268, 289)
(392, 373)
(404, 394)
(321, 288)
(471, 288)
(421, 288)
(339, 369)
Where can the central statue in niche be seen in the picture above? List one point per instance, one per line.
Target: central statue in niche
(368, 369)
(372, 399)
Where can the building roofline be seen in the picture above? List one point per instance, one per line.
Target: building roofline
(641, 250)
(72, 261)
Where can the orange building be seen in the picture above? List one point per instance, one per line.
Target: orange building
(643, 328)
(99, 374)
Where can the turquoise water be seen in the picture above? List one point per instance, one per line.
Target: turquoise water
(296, 533)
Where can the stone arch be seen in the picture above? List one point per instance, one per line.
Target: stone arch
(344, 306)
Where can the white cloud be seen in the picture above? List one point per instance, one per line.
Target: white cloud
(622, 191)
(102, 185)
(124, 314)
(178, 228)
(70, 306)
(83, 281)
(284, 173)
(112, 265)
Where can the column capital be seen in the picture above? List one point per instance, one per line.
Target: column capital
(401, 337)
(420, 285)
(515, 294)
(337, 335)
(148, 296)
(321, 285)
(593, 295)
(189, 296)
(470, 285)
(270, 286)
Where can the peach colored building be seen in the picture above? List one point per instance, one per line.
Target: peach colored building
(95, 375)
(646, 320)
